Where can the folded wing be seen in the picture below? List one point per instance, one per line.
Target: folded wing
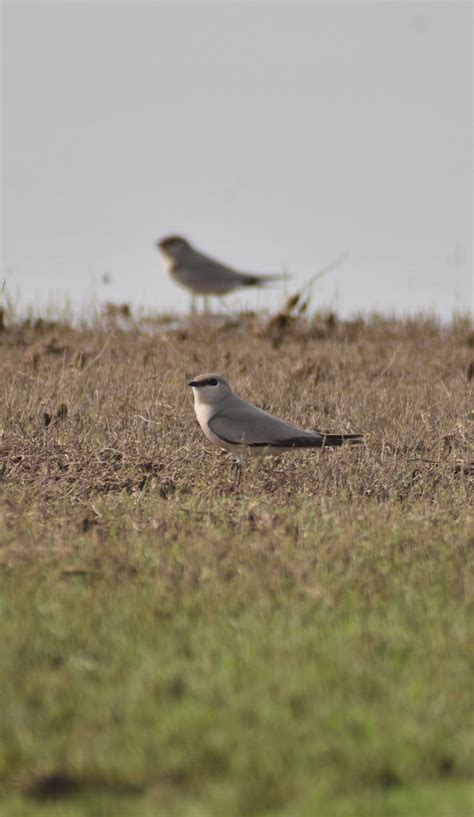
(246, 425)
(214, 276)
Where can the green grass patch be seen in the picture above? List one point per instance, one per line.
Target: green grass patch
(239, 663)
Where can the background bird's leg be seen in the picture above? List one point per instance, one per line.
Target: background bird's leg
(225, 306)
(193, 304)
(206, 305)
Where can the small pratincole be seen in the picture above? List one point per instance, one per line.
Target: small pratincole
(239, 427)
(203, 275)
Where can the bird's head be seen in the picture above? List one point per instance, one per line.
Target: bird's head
(210, 388)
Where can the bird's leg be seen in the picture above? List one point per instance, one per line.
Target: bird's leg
(193, 304)
(206, 305)
(237, 469)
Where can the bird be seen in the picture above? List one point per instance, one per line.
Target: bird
(241, 428)
(202, 274)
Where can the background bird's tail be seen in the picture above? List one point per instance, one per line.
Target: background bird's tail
(261, 280)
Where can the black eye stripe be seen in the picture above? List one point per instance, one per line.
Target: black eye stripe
(212, 381)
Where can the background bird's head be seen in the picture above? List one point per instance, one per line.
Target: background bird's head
(173, 246)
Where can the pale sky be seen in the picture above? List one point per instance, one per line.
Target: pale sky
(272, 135)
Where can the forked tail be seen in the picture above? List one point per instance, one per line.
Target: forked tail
(339, 439)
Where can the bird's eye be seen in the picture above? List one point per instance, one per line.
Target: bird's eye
(212, 382)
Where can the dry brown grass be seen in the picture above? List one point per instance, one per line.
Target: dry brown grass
(86, 412)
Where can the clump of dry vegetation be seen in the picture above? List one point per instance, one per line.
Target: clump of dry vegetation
(271, 648)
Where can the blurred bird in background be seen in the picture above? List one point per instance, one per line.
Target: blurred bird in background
(203, 275)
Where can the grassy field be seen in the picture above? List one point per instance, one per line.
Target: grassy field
(298, 646)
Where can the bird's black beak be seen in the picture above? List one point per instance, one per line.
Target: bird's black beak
(193, 383)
